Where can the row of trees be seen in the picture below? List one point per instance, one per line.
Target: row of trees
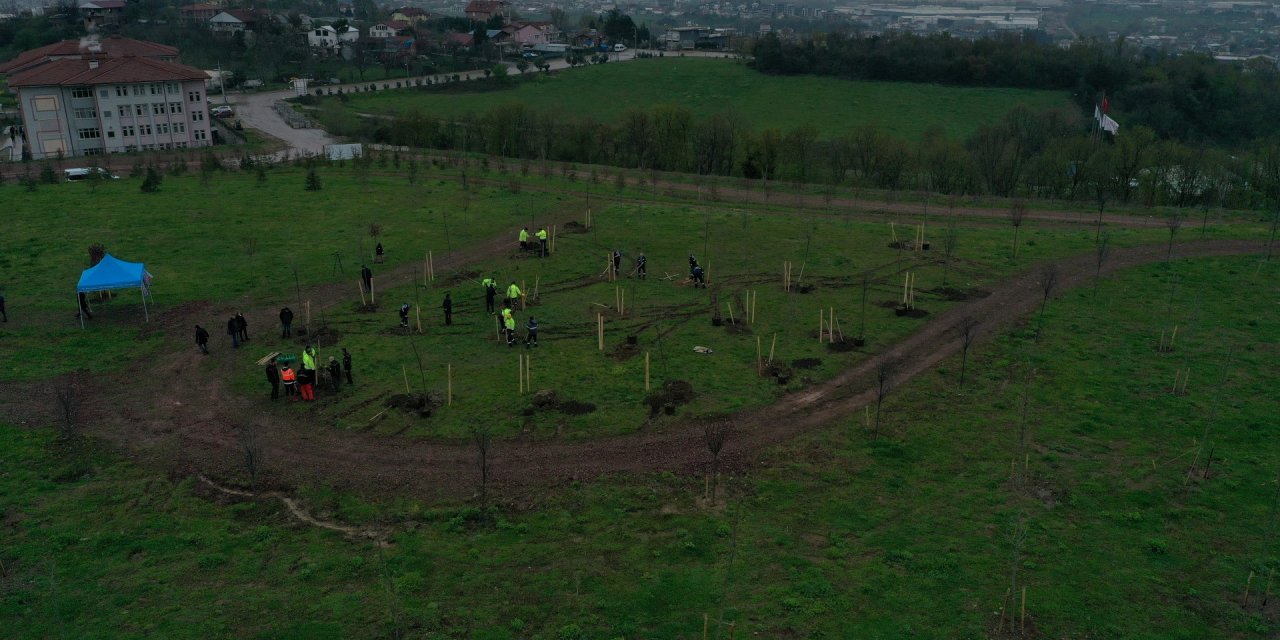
(1032, 154)
(1189, 97)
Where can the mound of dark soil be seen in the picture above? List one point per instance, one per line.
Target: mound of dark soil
(417, 403)
(573, 226)
(780, 371)
(461, 277)
(841, 346)
(673, 394)
(366, 308)
(806, 363)
(911, 313)
(736, 327)
(575, 408)
(625, 351)
(327, 335)
(956, 295)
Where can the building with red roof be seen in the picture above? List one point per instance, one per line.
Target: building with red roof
(108, 99)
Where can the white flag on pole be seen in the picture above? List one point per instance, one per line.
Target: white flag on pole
(1110, 125)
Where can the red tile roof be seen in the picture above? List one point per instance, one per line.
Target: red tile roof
(395, 25)
(113, 47)
(104, 4)
(77, 72)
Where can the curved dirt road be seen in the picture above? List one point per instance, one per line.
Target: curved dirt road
(204, 434)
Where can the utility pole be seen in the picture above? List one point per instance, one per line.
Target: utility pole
(222, 82)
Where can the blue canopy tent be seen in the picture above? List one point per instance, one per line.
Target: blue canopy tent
(114, 273)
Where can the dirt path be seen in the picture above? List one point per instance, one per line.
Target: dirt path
(201, 430)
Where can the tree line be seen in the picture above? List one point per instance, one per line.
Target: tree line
(1026, 154)
(1190, 97)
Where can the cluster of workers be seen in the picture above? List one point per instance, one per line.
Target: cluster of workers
(301, 383)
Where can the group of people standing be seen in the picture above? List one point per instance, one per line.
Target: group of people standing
(237, 328)
(540, 246)
(301, 383)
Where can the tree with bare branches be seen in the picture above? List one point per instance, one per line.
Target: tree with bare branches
(885, 372)
(1173, 223)
(714, 435)
(968, 333)
(484, 442)
(1048, 283)
(68, 402)
(1017, 213)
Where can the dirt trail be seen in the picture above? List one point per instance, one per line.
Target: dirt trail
(201, 432)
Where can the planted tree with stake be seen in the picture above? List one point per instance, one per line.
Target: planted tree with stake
(885, 372)
(949, 240)
(1048, 282)
(968, 333)
(1173, 223)
(714, 435)
(1017, 213)
(483, 441)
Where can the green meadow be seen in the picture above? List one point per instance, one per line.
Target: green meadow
(1064, 466)
(706, 86)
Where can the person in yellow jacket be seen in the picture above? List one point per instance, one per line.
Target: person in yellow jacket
(542, 239)
(511, 329)
(513, 295)
(309, 358)
(524, 239)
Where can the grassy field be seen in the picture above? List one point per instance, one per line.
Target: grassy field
(707, 86)
(912, 532)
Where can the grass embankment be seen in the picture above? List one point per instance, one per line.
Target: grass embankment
(842, 533)
(707, 86)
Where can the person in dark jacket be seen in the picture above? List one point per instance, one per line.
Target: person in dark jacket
(335, 373)
(378, 253)
(233, 330)
(531, 333)
(346, 364)
(490, 292)
(642, 266)
(286, 322)
(617, 263)
(273, 376)
(404, 315)
(202, 339)
(242, 326)
(448, 310)
(367, 276)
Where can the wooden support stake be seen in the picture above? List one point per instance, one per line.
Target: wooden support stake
(528, 373)
(729, 305)
(624, 303)
(1160, 346)
(617, 300)
(705, 623)
(706, 277)
(600, 331)
(1003, 605)
(520, 372)
(418, 313)
(431, 262)
(1173, 337)
(838, 329)
(1022, 622)
(449, 383)
(819, 326)
(759, 366)
(307, 307)
(1267, 594)
(371, 299)
(801, 276)
(362, 302)
(771, 346)
(893, 232)
(646, 371)
(831, 325)
(551, 246)
(754, 295)
(405, 373)
(905, 279)
(1248, 584)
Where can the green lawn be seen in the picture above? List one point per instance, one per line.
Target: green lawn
(707, 86)
(841, 533)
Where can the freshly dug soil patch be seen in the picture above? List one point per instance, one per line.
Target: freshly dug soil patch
(573, 226)
(625, 351)
(841, 346)
(328, 335)
(806, 363)
(738, 327)
(912, 313)
(419, 404)
(780, 371)
(673, 394)
(956, 295)
(460, 278)
(366, 308)
(575, 408)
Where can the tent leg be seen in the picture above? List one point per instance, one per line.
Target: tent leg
(79, 311)
(145, 313)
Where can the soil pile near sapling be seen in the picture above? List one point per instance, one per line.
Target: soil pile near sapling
(365, 308)
(460, 277)
(913, 313)
(326, 335)
(573, 226)
(841, 346)
(780, 371)
(673, 394)
(414, 403)
(549, 400)
(806, 363)
(625, 351)
(575, 408)
(736, 326)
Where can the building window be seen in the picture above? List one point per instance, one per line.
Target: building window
(144, 129)
(85, 113)
(127, 131)
(148, 147)
(124, 111)
(89, 134)
(162, 128)
(156, 89)
(139, 109)
(175, 107)
(102, 93)
(121, 91)
(139, 90)
(197, 115)
(46, 103)
(81, 92)
(93, 152)
(157, 109)
(107, 113)
(180, 145)
(193, 96)
(198, 134)
(163, 146)
(111, 133)
(171, 87)
(130, 148)
(179, 127)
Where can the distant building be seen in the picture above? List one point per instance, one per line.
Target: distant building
(234, 21)
(411, 15)
(388, 29)
(108, 100)
(483, 10)
(200, 13)
(101, 13)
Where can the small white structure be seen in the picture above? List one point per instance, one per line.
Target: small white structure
(343, 151)
(325, 37)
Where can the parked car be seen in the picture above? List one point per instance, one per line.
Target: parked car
(619, 47)
(82, 173)
(222, 112)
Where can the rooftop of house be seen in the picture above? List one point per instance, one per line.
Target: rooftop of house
(111, 47)
(96, 69)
